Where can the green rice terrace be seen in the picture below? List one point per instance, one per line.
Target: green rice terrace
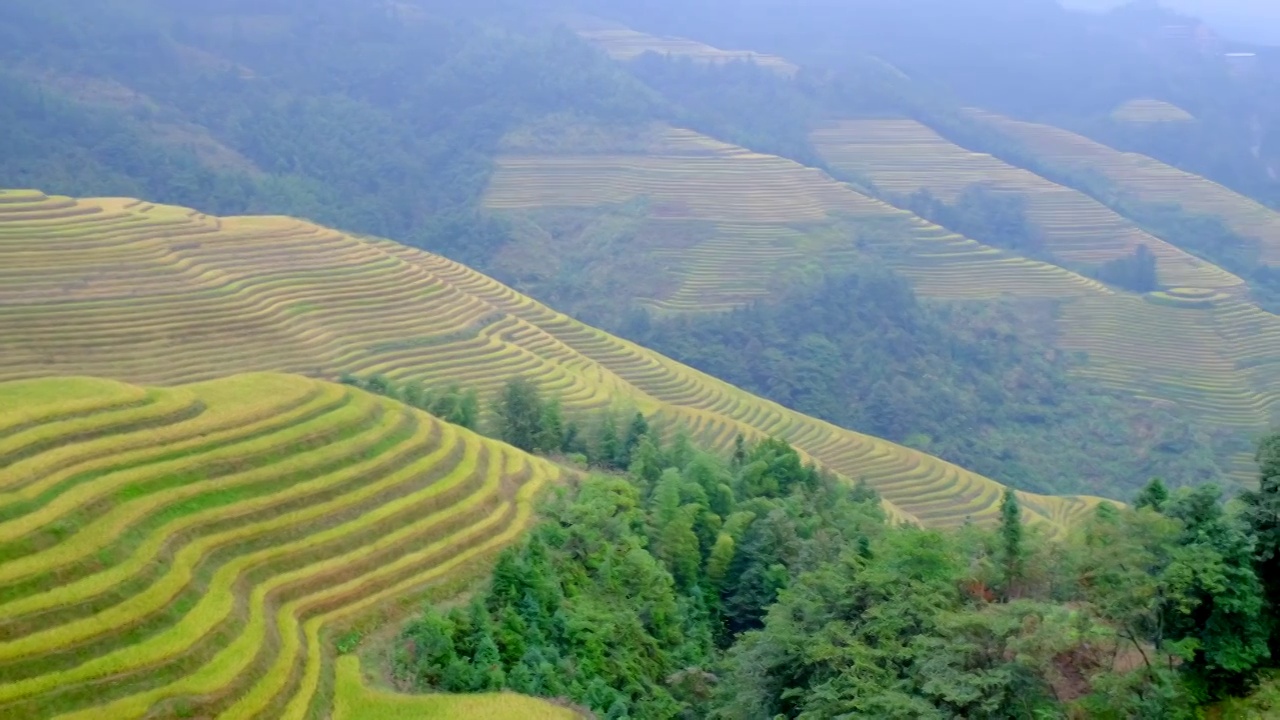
(1148, 179)
(755, 218)
(162, 295)
(1145, 111)
(1199, 343)
(188, 551)
(903, 156)
(1228, 381)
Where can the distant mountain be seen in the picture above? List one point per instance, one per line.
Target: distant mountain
(1255, 21)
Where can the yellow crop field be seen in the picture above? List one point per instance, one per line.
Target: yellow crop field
(1149, 179)
(903, 156)
(1149, 110)
(623, 44)
(355, 701)
(768, 216)
(172, 297)
(185, 562)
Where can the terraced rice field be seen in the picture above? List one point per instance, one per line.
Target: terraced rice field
(1147, 111)
(625, 45)
(180, 552)
(356, 701)
(161, 295)
(1149, 179)
(903, 156)
(771, 216)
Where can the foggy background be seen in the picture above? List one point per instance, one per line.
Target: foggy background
(1250, 20)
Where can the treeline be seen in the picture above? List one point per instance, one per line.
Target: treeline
(979, 385)
(985, 214)
(750, 585)
(520, 416)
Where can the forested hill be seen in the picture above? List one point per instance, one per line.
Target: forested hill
(378, 118)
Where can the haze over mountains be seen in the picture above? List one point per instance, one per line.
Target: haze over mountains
(806, 359)
(1248, 20)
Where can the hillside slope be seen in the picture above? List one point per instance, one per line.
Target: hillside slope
(1201, 344)
(123, 289)
(728, 225)
(737, 226)
(1148, 179)
(903, 156)
(178, 552)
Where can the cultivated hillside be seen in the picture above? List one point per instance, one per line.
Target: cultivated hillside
(1148, 179)
(728, 225)
(1200, 344)
(179, 552)
(623, 43)
(736, 225)
(904, 156)
(160, 295)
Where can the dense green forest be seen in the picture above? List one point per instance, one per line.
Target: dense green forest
(752, 586)
(339, 112)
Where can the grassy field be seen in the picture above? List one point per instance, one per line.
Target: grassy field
(182, 552)
(354, 700)
(161, 295)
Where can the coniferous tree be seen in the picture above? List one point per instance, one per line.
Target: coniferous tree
(519, 414)
(467, 411)
(609, 445)
(1011, 540)
(1262, 513)
(636, 431)
(489, 675)
(551, 431)
(1153, 496)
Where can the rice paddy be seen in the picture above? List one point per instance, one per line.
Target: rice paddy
(1198, 344)
(768, 217)
(181, 552)
(166, 296)
(1149, 180)
(624, 44)
(903, 156)
(356, 701)
(1145, 111)
(1134, 344)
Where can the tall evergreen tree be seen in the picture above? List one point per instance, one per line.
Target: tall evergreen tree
(519, 414)
(551, 431)
(1262, 514)
(636, 431)
(609, 447)
(1153, 496)
(1011, 540)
